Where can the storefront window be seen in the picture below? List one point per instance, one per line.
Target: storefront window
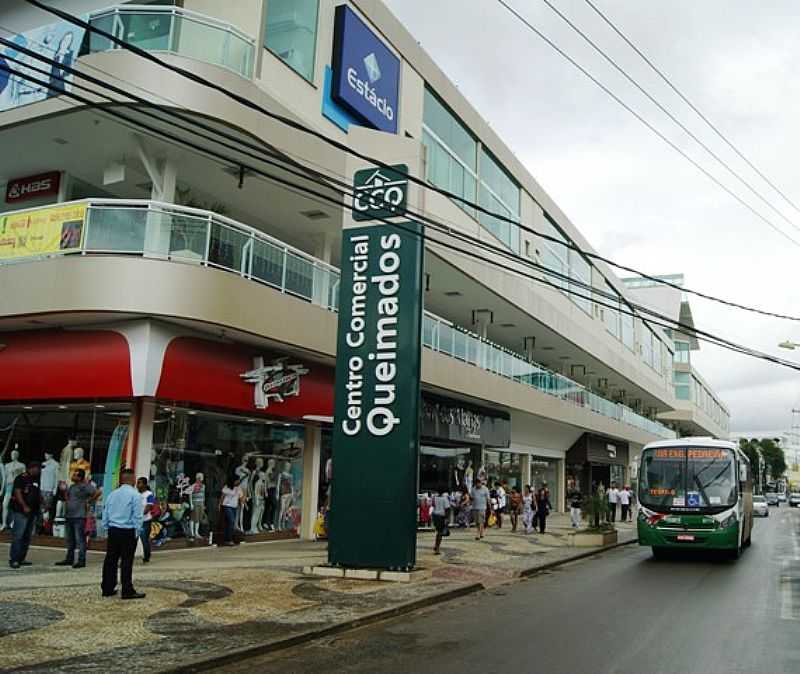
(63, 438)
(544, 471)
(266, 457)
(450, 468)
(501, 465)
(292, 33)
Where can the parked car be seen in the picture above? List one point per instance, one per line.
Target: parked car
(773, 498)
(794, 499)
(782, 496)
(760, 506)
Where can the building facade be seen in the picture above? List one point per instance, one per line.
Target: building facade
(170, 259)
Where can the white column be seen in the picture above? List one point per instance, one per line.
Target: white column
(144, 448)
(323, 250)
(311, 462)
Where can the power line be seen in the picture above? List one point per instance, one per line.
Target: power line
(662, 322)
(412, 178)
(261, 148)
(638, 116)
(674, 88)
(669, 114)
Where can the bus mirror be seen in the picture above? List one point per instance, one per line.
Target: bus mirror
(742, 472)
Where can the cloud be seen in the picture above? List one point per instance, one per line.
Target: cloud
(633, 197)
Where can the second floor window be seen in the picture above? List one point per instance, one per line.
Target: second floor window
(291, 33)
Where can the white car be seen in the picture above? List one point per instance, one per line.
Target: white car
(760, 506)
(794, 499)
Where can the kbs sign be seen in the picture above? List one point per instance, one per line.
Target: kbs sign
(32, 187)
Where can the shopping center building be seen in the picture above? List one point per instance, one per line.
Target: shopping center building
(170, 296)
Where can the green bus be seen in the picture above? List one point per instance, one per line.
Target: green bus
(695, 493)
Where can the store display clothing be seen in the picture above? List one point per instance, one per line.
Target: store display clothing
(49, 477)
(80, 464)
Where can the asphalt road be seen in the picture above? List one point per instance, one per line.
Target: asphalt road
(618, 612)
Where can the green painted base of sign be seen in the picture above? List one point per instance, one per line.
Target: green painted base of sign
(373, 518)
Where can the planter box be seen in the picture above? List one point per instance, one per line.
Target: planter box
(594, 540)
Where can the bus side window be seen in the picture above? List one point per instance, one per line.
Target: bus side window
(742, 472)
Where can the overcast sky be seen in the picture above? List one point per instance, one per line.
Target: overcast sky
(634, 198)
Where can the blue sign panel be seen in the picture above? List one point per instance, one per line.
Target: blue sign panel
(366, 75)
(693, 499)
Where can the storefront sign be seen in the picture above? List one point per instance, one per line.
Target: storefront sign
(380, 193)
(42, 231)
(366, 74)
(454, 422)
(32, 187)
(58, 42)
(376, 427)
(277, 381)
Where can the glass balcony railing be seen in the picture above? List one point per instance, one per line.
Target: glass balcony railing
(188, 235)
(444, 337)
(192, 236)
(177, 31)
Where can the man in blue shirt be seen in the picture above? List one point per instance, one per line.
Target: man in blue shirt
(122, 518)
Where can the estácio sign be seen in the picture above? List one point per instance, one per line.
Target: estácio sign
(376, 428)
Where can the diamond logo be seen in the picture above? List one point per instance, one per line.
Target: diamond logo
(373, 69)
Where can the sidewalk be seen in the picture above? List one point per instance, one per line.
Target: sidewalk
(205, 603)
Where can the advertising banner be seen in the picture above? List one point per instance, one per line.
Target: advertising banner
(376, 429)
(366, 74)
(60, 42)
(43, 231)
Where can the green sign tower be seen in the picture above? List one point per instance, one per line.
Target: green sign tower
(373, 518)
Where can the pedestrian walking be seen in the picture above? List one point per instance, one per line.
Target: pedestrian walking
(502, 502)
(148, 501)
(441, 506)
(26, 500)
(231, 499)
(575, 499)
(77, 498)
(514, 508)
(122, 518)
(613, 499)
(543, 508)
(527, 509)
(625, 503)
(480, 502)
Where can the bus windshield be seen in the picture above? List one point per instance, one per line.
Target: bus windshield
(688, 478)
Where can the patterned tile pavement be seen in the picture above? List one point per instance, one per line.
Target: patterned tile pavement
(201, 603)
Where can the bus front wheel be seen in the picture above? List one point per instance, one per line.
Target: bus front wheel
(659, 553)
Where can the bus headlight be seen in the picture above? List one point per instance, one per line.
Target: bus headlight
(729, 521)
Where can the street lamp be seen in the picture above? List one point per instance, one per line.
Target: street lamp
(789, 345)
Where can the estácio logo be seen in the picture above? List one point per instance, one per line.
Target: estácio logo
(364, 88)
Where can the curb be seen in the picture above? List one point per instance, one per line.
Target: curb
(527, 573)
(204, 664)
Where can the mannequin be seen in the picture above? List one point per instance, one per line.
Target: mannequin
(259, 484)
(11, 471)
(271, 504)
(197, 498)
(65, 459)
(79, 463)
(48, 483)
(469, 475)
(243, 473)
(286, 493)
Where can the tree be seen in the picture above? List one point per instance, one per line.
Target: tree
(750, 448)
(773, 457)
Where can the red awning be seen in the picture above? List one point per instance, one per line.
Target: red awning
(64, 365)
(202, 372)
